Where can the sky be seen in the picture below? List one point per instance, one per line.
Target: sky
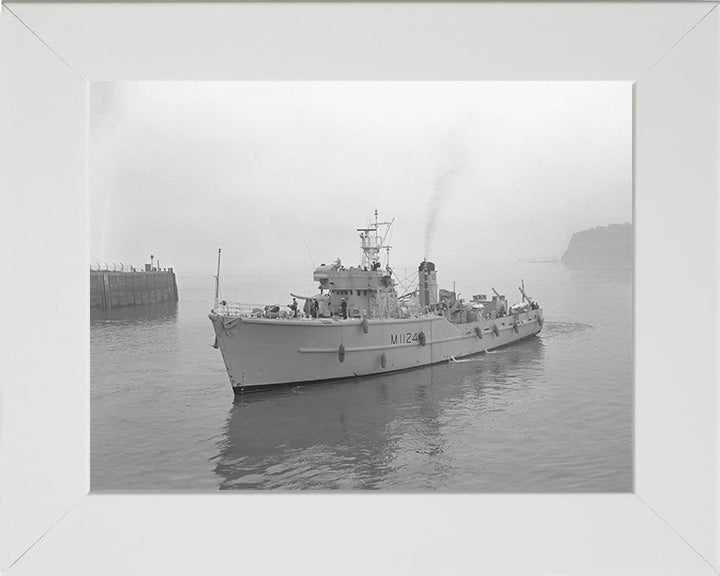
(280, 174)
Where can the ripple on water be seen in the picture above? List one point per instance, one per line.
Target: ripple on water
(552, 413)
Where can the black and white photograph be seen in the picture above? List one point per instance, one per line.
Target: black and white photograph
(334, 286)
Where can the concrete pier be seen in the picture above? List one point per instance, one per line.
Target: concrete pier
(112, 289)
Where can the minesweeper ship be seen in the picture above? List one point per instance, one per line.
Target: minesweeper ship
(357, 325)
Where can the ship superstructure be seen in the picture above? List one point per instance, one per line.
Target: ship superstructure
(357, 324)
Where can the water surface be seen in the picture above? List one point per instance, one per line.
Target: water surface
(551, 413)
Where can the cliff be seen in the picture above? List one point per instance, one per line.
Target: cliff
(602, 246)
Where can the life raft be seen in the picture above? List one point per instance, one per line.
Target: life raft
(383, 360)
(365, 326)
(478, 332)
(421, 338)
(496, 330)
(341, 353)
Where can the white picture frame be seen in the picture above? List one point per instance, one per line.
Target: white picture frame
(50, 524)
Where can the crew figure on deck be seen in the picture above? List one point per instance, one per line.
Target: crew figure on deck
(294, 307)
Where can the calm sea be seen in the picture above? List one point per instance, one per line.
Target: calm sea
(550, 414)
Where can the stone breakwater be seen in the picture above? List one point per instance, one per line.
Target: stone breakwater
(111, 289)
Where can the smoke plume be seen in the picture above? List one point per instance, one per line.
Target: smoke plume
(444, 183)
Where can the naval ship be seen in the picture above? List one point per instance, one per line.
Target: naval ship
(358, 325)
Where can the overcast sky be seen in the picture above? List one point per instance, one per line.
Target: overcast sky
(280, 174)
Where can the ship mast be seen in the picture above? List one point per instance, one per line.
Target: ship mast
(217, 280)
(373, 243)
(524, 294)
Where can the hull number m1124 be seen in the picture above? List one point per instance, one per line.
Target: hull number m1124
(404, 338)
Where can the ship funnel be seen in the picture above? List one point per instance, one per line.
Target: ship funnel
(427, 284)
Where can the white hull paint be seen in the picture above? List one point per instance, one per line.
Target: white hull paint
(262, 352)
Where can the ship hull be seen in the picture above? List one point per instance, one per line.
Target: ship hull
(260, 352)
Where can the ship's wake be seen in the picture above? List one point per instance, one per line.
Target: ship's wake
(551, 329)
(453, 360)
